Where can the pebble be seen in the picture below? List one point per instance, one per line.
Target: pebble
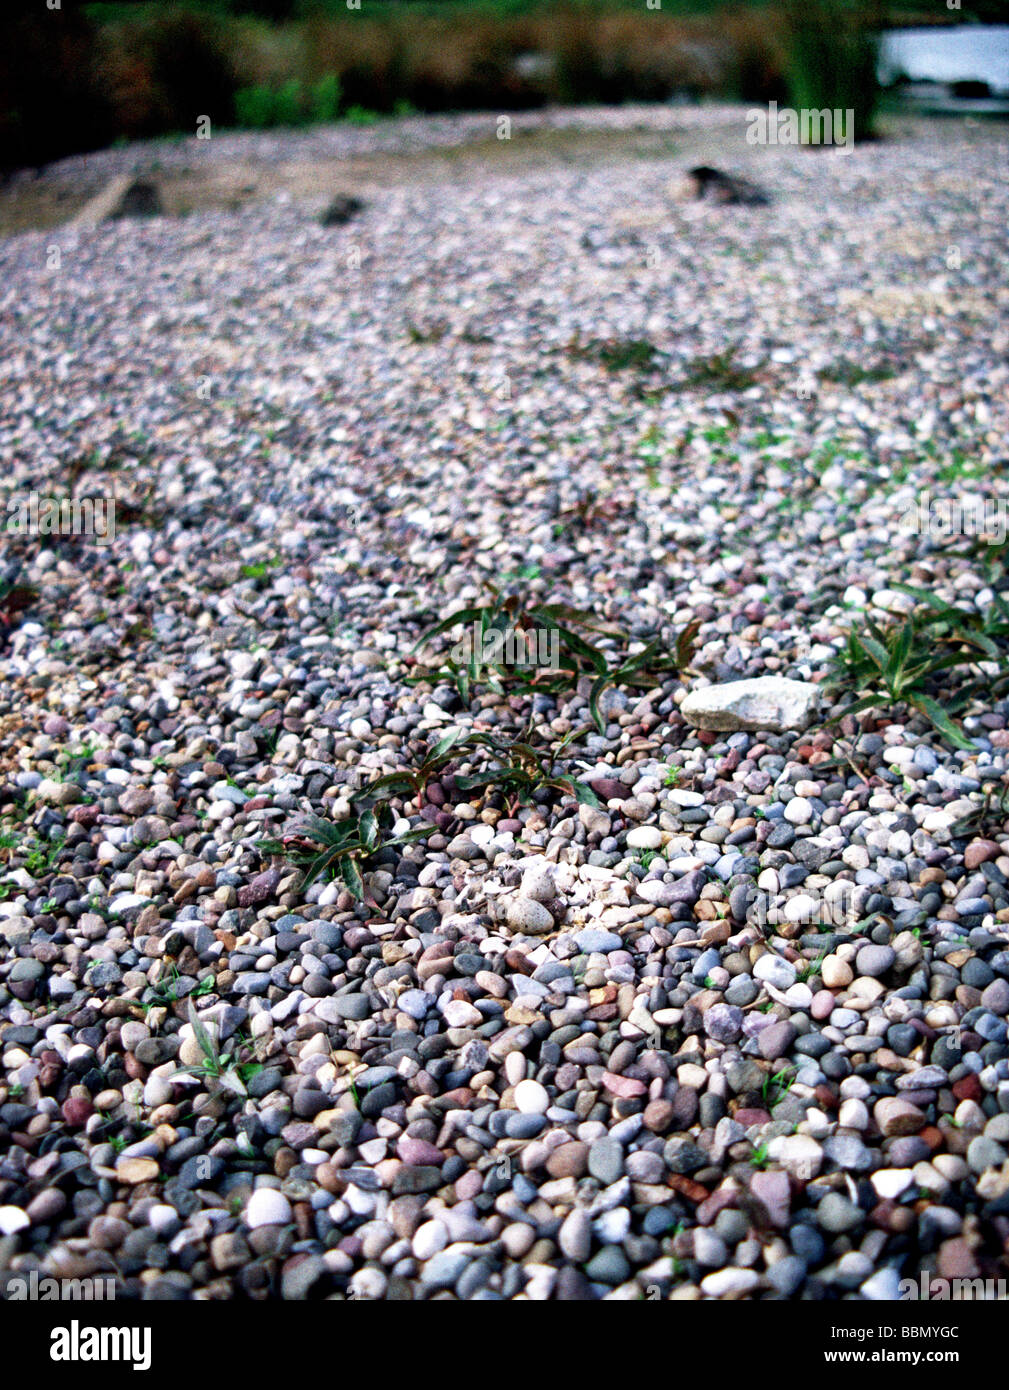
(267, 1207)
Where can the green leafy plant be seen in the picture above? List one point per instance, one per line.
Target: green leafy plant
(776, 1087)
(290, 103)
(260, 569)
(338, 849)
(849, 373)
(618, 354)
(40, 855)
(255, 107)
(479, 661)
(993, 808)
(360, 115)
(412, 781)
(519, 771)
(978, 634)
(898, 663)
(230, 1070)
(720, 372)
(810, 967)
(643, 670)
(166, 989)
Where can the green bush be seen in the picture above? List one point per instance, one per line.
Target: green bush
(260, 107)
(325, 98)
(290, 109)
(361, 115)
(255, 107)
(832, 50)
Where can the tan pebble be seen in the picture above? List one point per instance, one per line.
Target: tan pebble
(137, 1170)
(836, 973)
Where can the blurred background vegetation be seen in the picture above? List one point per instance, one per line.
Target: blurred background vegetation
(85, 76)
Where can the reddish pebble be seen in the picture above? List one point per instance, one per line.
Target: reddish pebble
(658, 1116)
(746, 1117)
(718, 1201)
(470, 1185)
(967, 1088)
(419, 1151)
(77, 1111)
(823, 1004)
(623, 1086)
(979, 851)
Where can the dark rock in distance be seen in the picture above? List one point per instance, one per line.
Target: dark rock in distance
(342, 208)
(719, 187)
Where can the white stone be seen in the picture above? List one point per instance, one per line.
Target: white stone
(683, 798)
(537, 883)
(891, 1182)
(775, 970)
(515, 1068)
(163, 1218)
(798, 1154)
(267, 1207)
(800, 996)
(762, 702)
(801, 908)
(853, 1114)
(429, 1239)
(725, 1282)
(855, 856)
(644, 837)
(457, 1013)
(12, 1220)
(527, 915)
(531, 1098)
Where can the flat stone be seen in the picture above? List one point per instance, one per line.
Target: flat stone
(896, 1116)
(730, 1282)
(773, 1042)
(762, 702)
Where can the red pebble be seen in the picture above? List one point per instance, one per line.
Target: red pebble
(77, 1111)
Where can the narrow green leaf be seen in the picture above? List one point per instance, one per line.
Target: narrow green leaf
(369, 830)
(938, 716)
(598, 686)
(351, 876)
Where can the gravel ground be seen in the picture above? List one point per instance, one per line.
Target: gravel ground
(559, 1056)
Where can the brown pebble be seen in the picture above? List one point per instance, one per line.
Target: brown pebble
(283, 1161)
(569, 1160)
(979, 851)
(955, 1260)
(658, 1116)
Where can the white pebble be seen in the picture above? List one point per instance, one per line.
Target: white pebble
(267, 1207)
(531, 1098)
